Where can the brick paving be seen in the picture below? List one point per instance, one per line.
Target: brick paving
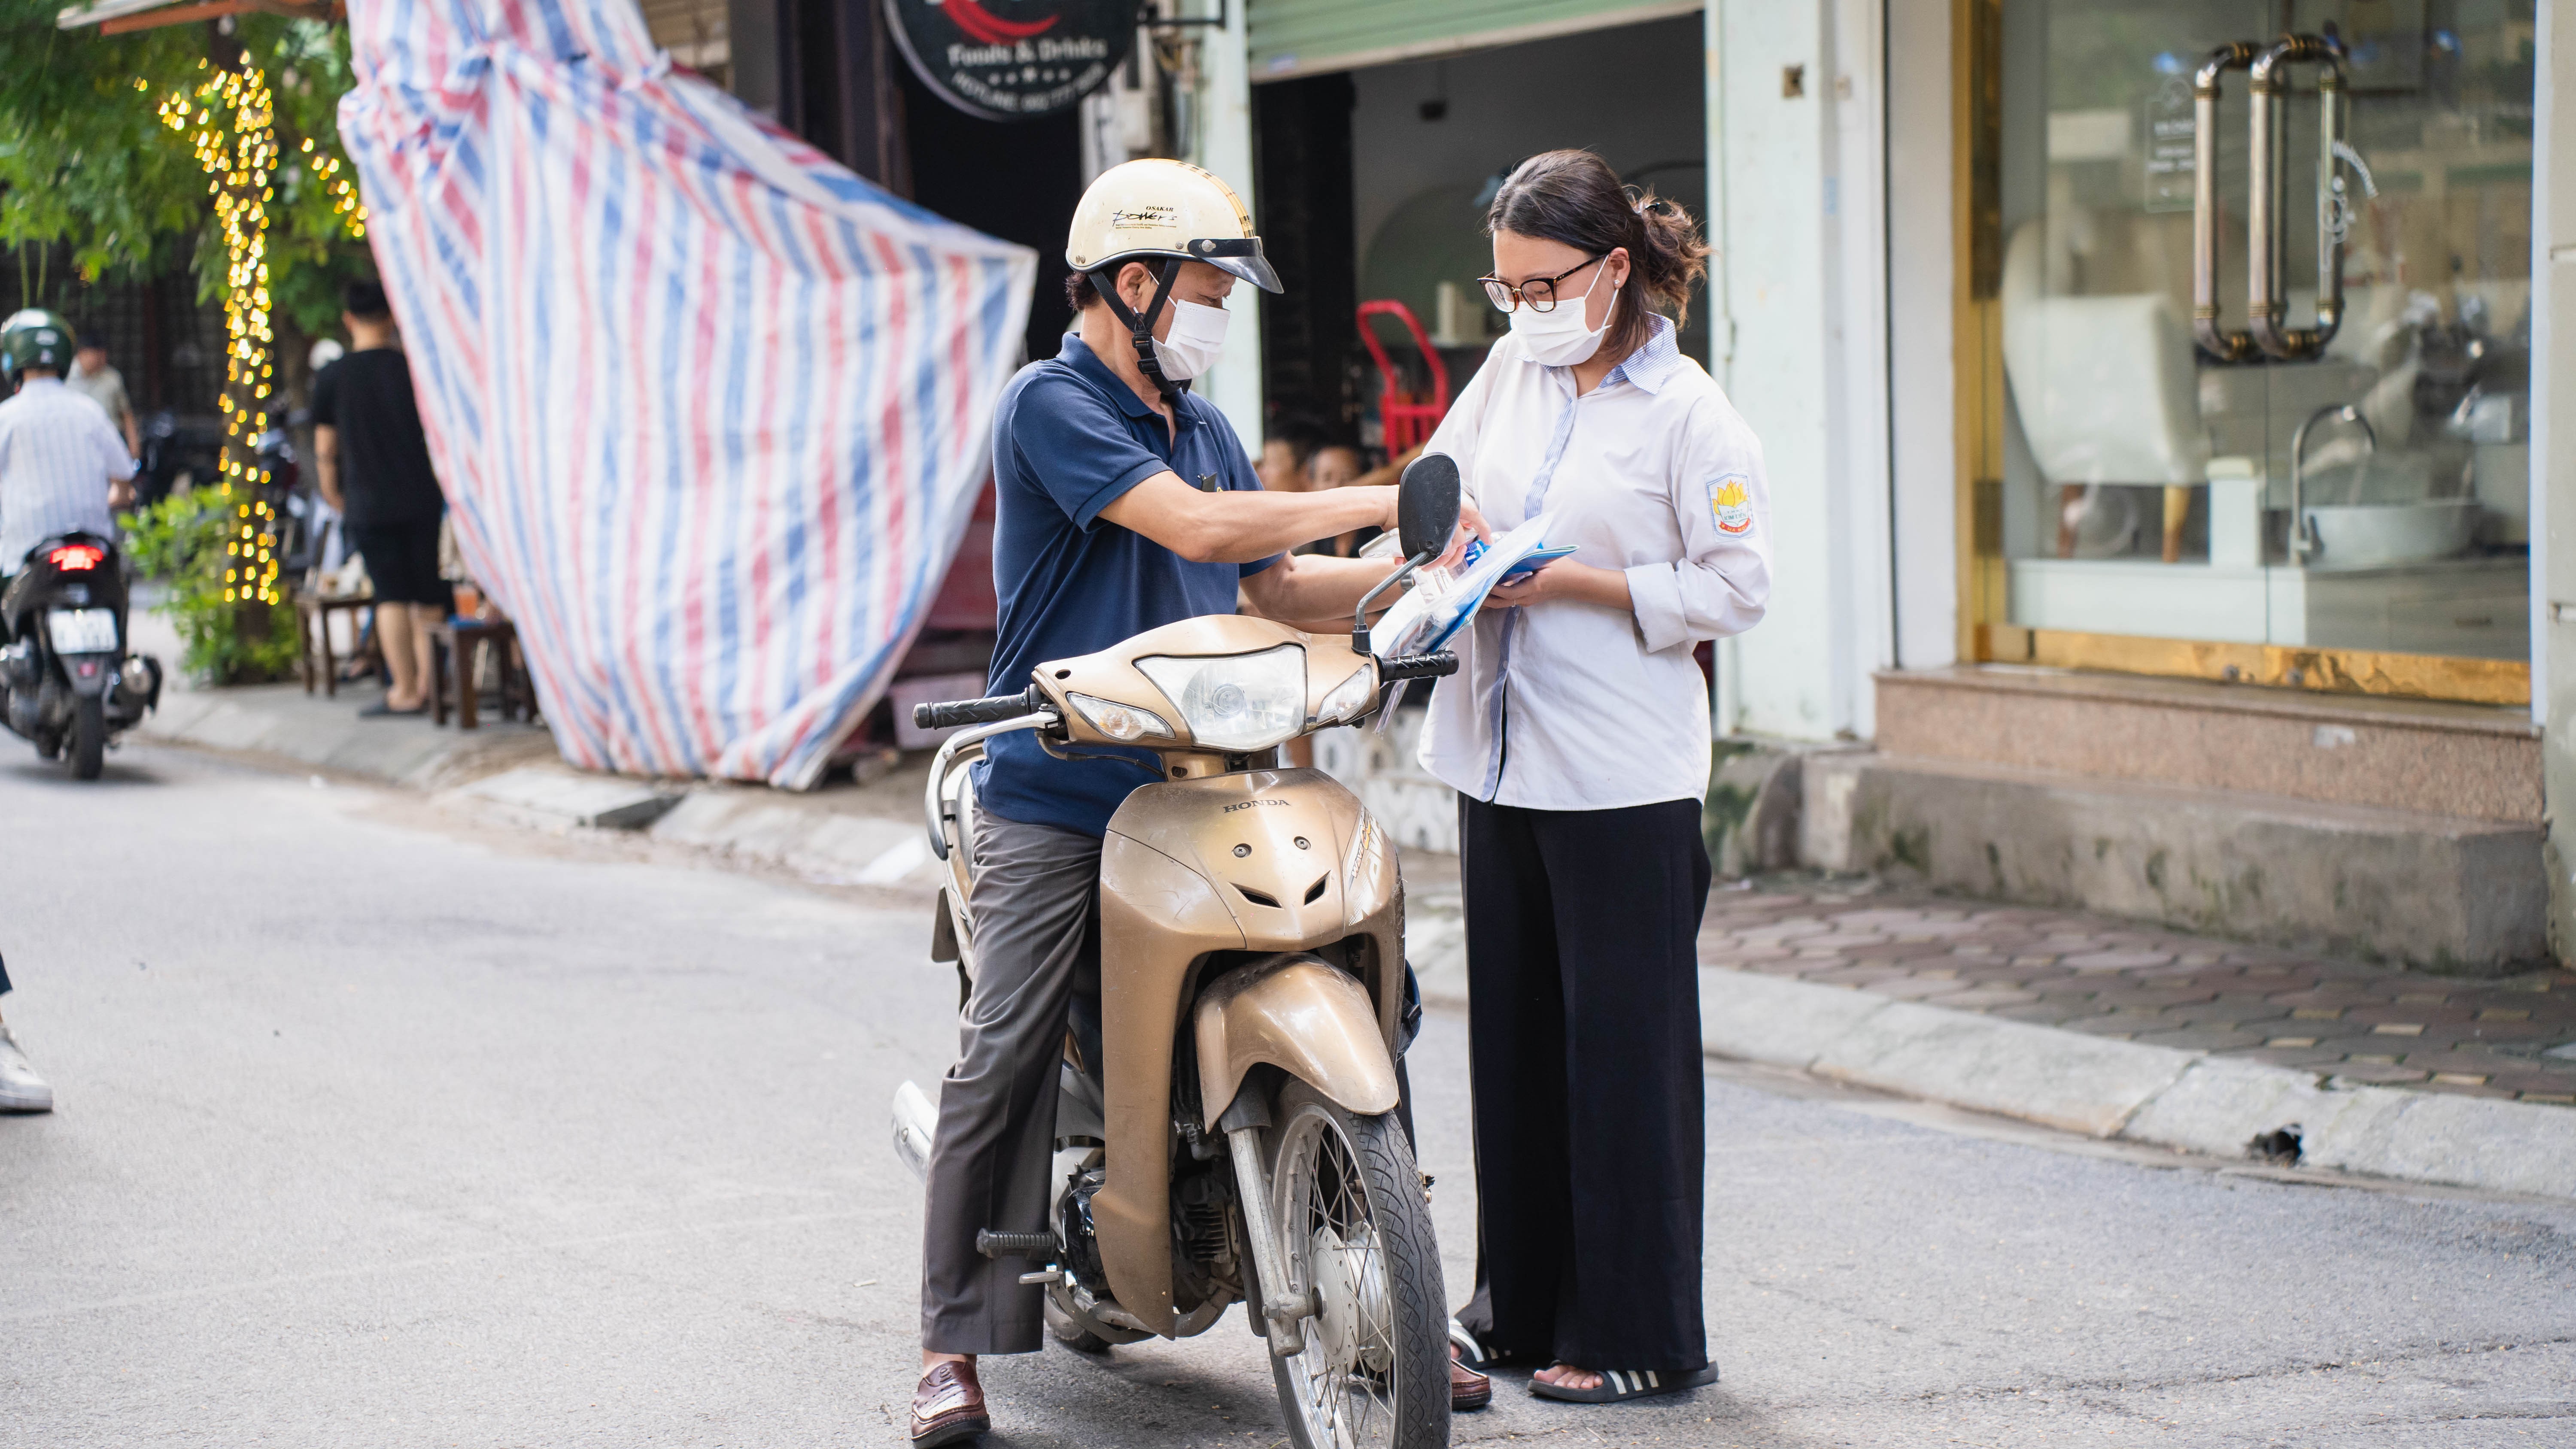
(2361, 1023)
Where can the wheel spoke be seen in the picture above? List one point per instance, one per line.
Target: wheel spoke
(1344, 1380)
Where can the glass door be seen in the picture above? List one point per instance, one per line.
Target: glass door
(2265, 321)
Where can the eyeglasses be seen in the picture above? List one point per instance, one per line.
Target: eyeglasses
(1538, 292)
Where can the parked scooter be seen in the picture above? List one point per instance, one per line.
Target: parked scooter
(177, 454)
(66, 681)
(1226, 1125)
(276, 477)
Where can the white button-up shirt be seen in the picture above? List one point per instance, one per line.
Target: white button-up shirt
(58, 452)
(1562, 705)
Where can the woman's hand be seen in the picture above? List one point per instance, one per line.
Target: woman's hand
(1565, 579)
(1471, 524)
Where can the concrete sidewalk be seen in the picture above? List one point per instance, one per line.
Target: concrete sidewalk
(845, 834)
(2114, 1030)
(2083, 1023)
(284, 724)
(2120, 981)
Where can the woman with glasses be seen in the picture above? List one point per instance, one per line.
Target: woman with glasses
(1576, 733)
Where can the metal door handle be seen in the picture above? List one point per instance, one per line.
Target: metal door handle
(2205, 89)
(2266, 236)
(2266, 308)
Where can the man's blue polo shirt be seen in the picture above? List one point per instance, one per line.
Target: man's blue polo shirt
(1069, 439)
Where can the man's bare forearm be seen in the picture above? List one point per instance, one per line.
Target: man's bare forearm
(1241, 526)
(1310, 588)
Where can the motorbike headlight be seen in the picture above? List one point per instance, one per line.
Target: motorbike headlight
(1119, 721)
(1238, 702)
(1349, 699)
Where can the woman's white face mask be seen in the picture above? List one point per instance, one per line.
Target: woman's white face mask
(1198, 336)
(1557, 337)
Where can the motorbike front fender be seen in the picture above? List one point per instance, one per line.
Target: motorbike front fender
(89, 674)
(1302, 1016)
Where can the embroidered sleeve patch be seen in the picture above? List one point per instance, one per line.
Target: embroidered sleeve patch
(1731, 506)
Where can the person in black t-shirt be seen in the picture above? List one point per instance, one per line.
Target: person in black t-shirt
(373, 464)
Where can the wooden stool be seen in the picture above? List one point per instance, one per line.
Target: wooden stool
(456, 644)
(313, 635)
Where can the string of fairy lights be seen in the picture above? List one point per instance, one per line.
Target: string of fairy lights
(231, 120)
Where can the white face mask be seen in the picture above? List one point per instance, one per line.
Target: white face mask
(1198, 335)
(1557, 337)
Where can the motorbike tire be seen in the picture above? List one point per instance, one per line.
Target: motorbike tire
(1347, 1204)
(89, 737)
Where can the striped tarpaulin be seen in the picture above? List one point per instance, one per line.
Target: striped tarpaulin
(711, 412)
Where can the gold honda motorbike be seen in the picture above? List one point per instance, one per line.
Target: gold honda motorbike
(1226, 1127)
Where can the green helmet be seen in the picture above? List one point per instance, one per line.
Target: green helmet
(35, 337)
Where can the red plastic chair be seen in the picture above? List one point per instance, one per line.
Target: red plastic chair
(1408, 422)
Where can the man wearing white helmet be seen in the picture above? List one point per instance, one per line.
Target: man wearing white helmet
(1125, 502)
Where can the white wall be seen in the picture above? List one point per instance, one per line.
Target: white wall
(1805, 290)
(2553, 382)
(1224, 146)
(2553, 454)
(1921, 258)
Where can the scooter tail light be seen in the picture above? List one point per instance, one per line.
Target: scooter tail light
(76, 557)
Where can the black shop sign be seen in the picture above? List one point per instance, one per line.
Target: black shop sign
(1009, 60)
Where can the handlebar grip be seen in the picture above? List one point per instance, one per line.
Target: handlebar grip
(1418, 666)
(991, 710)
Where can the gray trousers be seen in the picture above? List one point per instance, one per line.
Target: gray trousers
(1034, 904)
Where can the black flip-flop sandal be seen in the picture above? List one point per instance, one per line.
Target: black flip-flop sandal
(1619, 1385)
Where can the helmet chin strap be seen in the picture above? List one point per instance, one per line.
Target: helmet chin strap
(1140, 327)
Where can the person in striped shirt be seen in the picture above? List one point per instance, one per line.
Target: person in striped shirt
(63, 469)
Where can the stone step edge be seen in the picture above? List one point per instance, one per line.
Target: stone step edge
(2337, 815)
(2100, 1087)
(2197, 696)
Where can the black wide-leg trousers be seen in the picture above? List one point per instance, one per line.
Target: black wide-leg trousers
(1583, 990)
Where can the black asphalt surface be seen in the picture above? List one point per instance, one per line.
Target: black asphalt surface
(384, 1127)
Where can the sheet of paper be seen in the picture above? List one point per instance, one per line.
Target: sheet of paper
(1396, 627)
(1442, 600)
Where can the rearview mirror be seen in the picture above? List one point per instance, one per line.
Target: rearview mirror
(1426, 513)
(1426, 504)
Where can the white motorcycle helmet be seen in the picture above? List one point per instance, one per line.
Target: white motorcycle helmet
(1167, 209)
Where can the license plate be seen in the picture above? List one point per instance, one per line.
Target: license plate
(82, 631)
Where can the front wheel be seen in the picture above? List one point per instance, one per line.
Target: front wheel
(1354, 1229)
(89, 737)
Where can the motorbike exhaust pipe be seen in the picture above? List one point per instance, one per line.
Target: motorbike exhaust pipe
(915, 1120)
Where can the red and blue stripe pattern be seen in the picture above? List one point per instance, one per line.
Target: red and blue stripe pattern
(711, 412)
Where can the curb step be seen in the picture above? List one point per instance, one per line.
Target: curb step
(2134, 1092)
(557, 796)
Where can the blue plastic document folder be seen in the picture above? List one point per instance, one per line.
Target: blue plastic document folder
(1527, 566)
(1443, 600)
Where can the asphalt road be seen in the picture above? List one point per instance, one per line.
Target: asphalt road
(382, 1128)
